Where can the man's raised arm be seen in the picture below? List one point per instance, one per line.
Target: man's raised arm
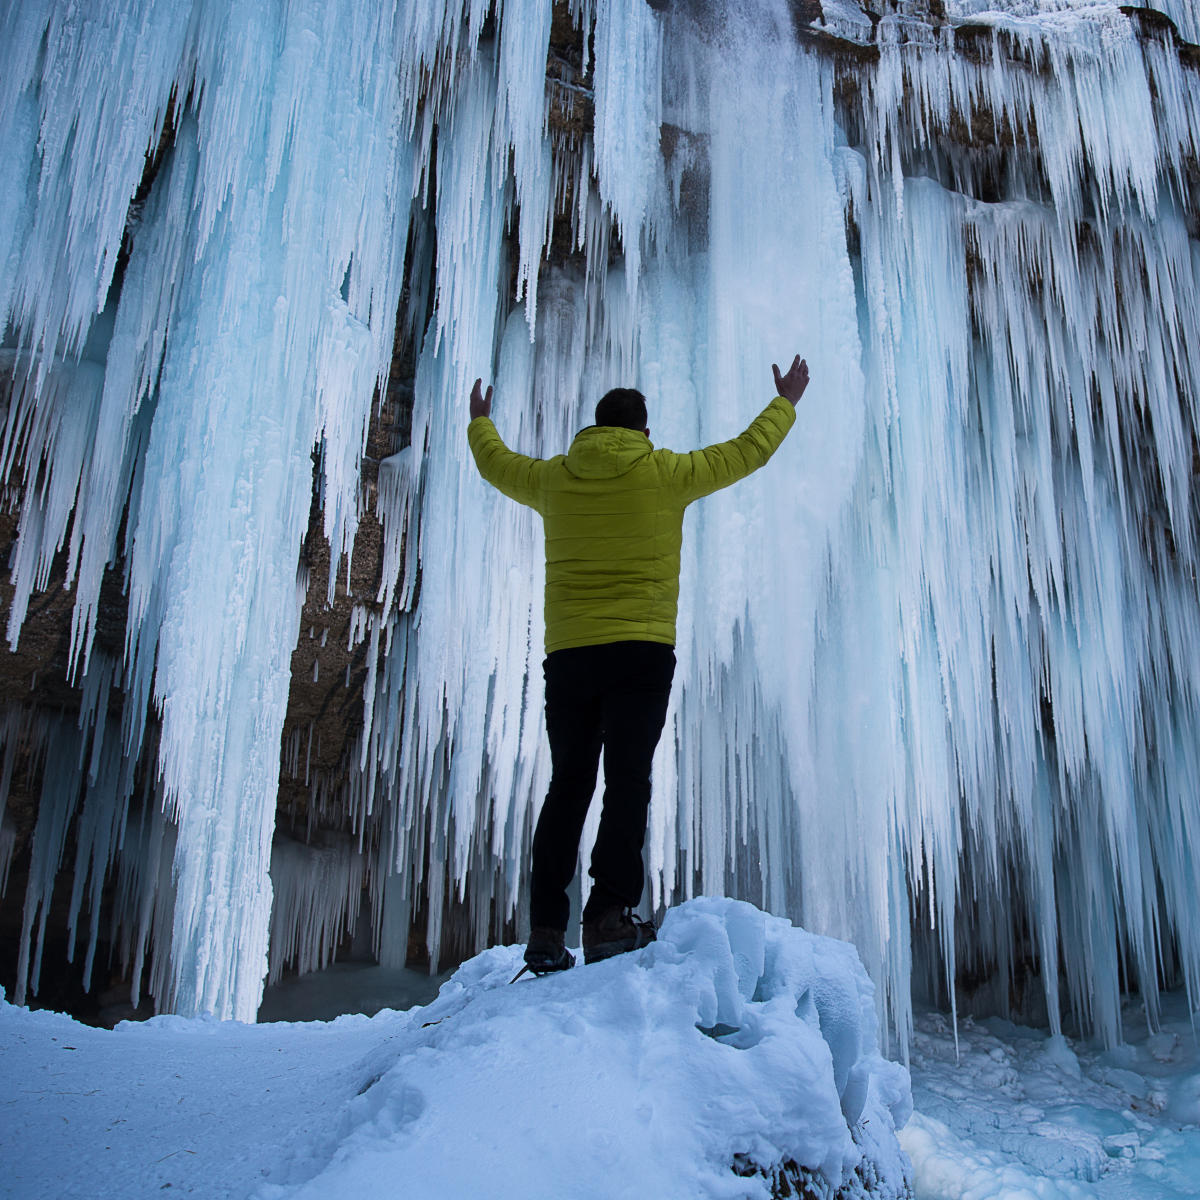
(516, 475)
(703, 472)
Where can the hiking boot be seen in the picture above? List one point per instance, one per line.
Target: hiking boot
(547, 951)
(615, 931)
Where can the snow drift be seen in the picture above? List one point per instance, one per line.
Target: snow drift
(736, 1039)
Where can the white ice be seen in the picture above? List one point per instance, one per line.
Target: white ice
(1018, 1112)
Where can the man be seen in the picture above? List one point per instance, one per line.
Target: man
(613, 513)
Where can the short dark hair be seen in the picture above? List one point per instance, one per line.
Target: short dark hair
(623, 407)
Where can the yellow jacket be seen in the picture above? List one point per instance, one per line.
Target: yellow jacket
(613, 513)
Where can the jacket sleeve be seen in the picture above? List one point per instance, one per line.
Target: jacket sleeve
(516, 475)
(705, 471)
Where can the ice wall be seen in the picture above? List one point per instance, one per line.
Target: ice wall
(1038, 438)
(250, 322)
(936, 689)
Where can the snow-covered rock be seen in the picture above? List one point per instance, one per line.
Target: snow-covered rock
(735, 1034)
(735, 1041)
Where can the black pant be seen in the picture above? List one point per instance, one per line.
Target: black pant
(613, 696)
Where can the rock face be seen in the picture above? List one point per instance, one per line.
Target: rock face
(341, 793)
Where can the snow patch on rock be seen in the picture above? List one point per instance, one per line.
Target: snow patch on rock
(734, 1036)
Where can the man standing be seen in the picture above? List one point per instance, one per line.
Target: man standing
(613, 513)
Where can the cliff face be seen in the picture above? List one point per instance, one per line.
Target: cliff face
(997, 260)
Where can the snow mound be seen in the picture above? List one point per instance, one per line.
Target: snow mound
(736, 1038)
(701, 1066)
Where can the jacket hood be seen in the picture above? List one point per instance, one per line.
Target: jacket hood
(606, 451)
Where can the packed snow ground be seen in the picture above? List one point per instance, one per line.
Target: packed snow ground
(596, 1083)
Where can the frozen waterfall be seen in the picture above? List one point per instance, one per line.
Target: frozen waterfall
(939, 664)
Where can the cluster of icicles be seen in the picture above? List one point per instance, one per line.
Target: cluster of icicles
(939, 662)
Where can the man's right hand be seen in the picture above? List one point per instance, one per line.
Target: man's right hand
(481, 405)
(790, 386)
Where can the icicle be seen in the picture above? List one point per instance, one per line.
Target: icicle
(144, 900)
(8, 843)
(628, 161)
(521, 121)
(317, 892)
(91, 89)
(99, 832)
(62, 745)
(65, 436)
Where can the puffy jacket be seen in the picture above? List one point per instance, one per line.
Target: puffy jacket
(613, 513)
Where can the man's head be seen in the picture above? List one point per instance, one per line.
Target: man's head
(623, 407)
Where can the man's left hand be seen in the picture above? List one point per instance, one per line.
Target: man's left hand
(481, 405)
(791, 386)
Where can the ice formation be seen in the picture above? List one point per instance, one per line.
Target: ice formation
(939, 684)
